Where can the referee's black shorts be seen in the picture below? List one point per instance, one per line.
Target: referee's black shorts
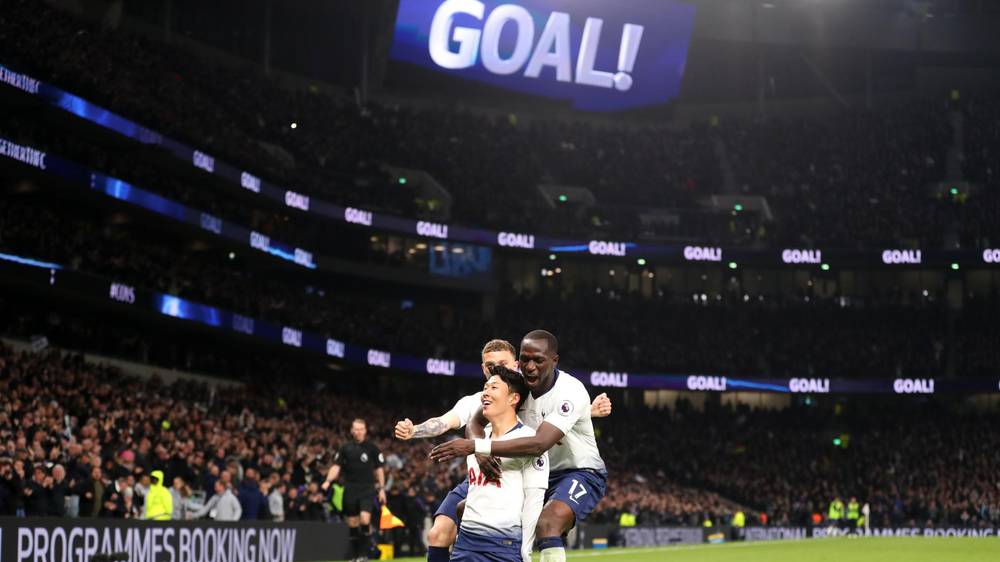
(358, 498)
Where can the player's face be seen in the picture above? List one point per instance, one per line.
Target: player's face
(537, 363)
(358, 431)
(492, 358)
(497, 397)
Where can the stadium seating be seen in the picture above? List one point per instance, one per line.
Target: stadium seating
(287, 432)
(879, 336)
(705, 464)
(856, 178)
(864, 175)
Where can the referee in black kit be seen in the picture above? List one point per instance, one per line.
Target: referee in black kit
(362, 463)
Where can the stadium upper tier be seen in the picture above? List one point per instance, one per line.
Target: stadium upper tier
(859, 178)
(891, 335)
(43, 147)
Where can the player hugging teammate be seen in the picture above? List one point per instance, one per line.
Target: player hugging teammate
(498, 508)
(556, 416)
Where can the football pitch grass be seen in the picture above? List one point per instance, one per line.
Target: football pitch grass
(870, 549)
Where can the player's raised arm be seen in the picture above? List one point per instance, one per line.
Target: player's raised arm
(433, 427)
(601, 407)
(457, 417)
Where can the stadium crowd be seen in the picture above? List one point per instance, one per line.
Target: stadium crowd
(862, 178)
(979, 219)
(81, 440)
(923, 466)
(865, 175)
(71, 429)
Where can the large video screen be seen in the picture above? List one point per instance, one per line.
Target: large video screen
(598, 54)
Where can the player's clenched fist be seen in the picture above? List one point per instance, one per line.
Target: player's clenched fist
(601, 408)
(404, 429)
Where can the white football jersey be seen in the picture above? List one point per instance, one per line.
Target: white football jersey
(493, 509)
(467, 406)
(567, 406)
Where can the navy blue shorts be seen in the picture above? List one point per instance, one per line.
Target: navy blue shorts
(449, 507)
(477, 548)
(581, 490)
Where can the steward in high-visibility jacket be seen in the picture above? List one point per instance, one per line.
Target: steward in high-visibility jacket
(739, 520)
(836, 511)
(853, 511)
(159, 502)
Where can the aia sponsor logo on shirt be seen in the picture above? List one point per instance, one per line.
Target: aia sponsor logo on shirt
(477, 478)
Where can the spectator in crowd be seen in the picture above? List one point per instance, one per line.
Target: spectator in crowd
(294, 507)
(313, 505)
(58, 492)
(250, 496)
(222, 506)
(276, 500)
(8, 488)
(91, 492)
(113, 502)
(37, 493)
(180, 494)
(131, 505)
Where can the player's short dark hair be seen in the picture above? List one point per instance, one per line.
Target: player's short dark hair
(546, 336)
(515, 382)
(499, 345)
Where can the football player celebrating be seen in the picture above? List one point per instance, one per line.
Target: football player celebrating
(497, 509)
(445, 527)
(557, 408)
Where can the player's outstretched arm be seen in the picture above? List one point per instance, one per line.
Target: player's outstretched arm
(601, 408)
(543, 440)
(431, 428)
